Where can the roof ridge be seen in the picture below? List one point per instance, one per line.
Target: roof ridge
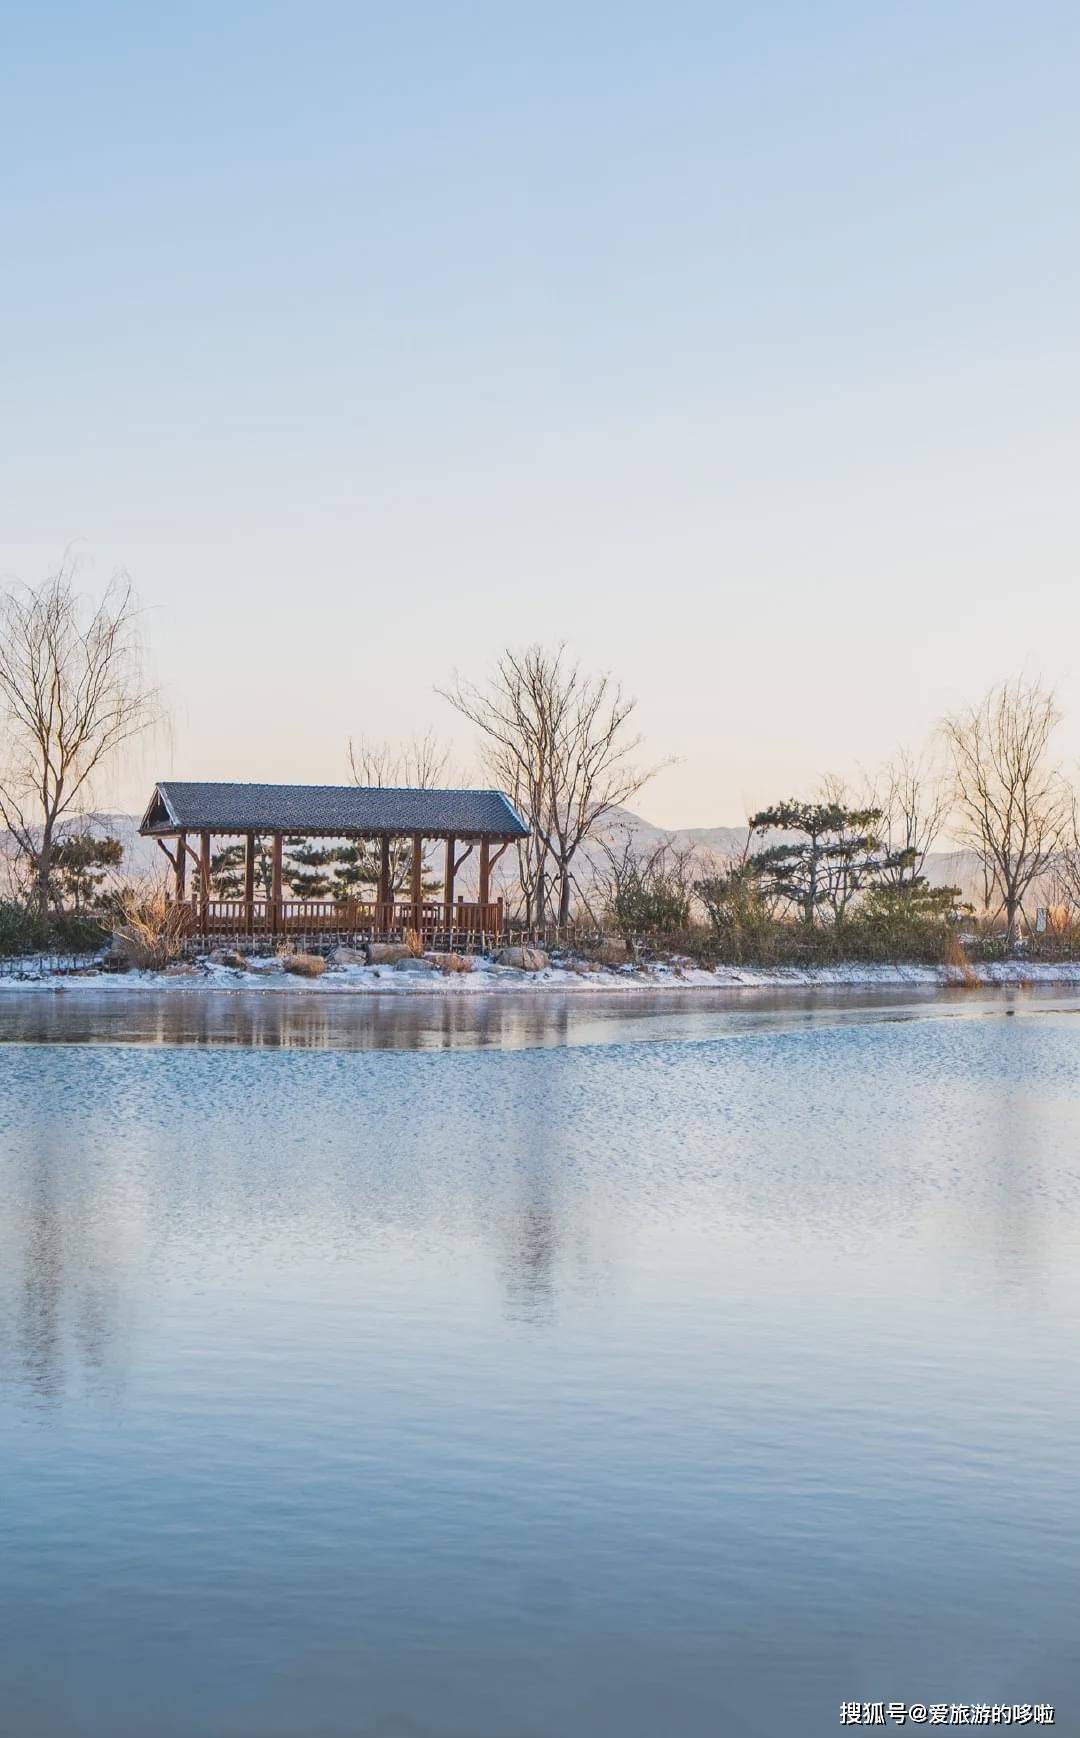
(261, 784)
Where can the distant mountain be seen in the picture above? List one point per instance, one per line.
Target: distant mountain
(711, 846)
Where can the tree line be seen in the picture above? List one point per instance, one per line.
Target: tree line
(562, 743)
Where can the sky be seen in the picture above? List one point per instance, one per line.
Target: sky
(736, 346)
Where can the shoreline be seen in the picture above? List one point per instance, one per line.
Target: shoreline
(486, 979)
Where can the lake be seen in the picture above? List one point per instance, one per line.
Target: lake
(682, 1365)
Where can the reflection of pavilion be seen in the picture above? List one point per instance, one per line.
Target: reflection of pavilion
(386, 829)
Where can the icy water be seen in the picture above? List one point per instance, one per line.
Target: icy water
(657, 1369)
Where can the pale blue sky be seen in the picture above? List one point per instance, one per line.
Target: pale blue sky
(737, 346)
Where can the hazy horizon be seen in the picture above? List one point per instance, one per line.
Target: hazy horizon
(739, 350)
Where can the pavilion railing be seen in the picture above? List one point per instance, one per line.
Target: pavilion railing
(358, 919)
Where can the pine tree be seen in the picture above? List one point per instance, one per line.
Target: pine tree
(81, 864)
(308, 868)
(227, 872)
(829, 854)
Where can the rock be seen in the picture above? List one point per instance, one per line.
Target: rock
(347, 956)
(409, 964)
(227, 956)
(450, 962)
(526, 959)
(179, 970)
(387, 953)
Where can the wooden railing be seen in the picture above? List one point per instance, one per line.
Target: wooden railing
(350, 917)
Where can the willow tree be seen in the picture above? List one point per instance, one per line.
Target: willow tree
(72, 694)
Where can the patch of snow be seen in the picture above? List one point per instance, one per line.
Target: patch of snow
(54, 974)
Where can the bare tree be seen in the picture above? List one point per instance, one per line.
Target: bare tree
(645, 890)
(1010, 798)
(72, 693)
(518, 713)
(557, 740)
(421, 763)
(1065, 879)
(915, 802)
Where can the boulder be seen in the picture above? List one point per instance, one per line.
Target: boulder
(387, 953)
(526, 959)
(409, 964)
(347, 956)
(227, 956)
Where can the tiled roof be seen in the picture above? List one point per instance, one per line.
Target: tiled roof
(330, 810)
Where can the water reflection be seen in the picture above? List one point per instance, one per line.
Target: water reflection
(247, 1019)
(647, 1385)
(62, 1244)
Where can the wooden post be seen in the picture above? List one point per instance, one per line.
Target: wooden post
(485, 874)
(276, 883)
(416, 890)
(448, 881)
(204, 879)
(181, 867)
(384, 919)
(249, 884)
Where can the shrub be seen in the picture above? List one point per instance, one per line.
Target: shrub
(414, 941)
(149, 930)
(22, 932)
(957, 958)
(74, 932)
(646, 893)
(19, 931)
(742, 927)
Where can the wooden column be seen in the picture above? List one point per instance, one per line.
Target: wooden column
(276, 883)
(249, 884)
(416, 890)
(448, 881)
(384, 918)
(181, 867)
(204, 879)
(485, 871)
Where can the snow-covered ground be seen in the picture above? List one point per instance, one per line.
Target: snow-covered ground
(268, 975)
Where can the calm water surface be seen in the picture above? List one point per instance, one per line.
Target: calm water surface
(628, 1368)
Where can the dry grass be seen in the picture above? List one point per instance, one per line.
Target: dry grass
(453, 962)
(150, 930)
(414, 941)
(957, 959)
(304, 965)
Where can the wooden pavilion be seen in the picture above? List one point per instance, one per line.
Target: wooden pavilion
(183, 812)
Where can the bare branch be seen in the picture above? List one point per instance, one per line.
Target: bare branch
(72, 695)
(1012, 801)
